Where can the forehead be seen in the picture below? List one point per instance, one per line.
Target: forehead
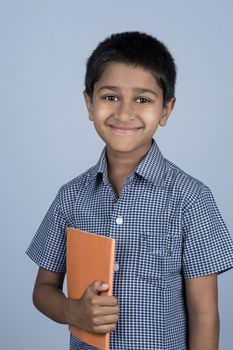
(127, 76)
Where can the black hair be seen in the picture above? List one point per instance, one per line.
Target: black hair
(137, 49)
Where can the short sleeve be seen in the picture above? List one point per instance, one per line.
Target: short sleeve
(208, 246)
(48, 247)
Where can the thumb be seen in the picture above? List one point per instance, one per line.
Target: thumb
(98, 286)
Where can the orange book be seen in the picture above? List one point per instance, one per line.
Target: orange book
(89, 257)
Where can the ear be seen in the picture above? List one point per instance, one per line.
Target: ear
(89, 105)
(167, 109)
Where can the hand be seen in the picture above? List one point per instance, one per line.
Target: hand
(92, 312)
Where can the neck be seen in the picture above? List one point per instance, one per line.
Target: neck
(124, 163)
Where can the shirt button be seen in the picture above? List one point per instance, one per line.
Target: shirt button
(119, 220)
(116, 266)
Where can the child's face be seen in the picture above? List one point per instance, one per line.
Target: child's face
(127, 108)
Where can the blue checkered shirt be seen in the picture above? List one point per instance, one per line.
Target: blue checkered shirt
(167, 228)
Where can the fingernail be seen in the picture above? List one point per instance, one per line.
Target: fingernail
(104, 286)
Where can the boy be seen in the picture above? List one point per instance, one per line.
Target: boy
(171, 241)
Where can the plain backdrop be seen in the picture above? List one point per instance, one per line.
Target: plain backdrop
(46, 138)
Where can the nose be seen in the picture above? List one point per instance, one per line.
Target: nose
(124, 111)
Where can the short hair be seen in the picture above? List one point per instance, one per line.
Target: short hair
(137, 49)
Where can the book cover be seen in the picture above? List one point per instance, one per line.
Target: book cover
(90, 257)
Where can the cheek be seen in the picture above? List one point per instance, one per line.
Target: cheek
(152, 117)
(102, 111)
(99, 118)
(151, 122)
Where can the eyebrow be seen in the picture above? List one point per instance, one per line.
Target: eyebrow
(135, 89)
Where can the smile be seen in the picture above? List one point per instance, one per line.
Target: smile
(124, 130)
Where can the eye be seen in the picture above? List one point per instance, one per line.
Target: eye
(110, 98)
(143, 100)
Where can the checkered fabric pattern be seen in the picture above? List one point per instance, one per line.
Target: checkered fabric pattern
(167, 228)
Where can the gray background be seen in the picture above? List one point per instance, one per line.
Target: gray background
(46, 138)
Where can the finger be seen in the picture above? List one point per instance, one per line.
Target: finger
(105, 320)
(105, 300)
(105, 328)
(97, 286)
(106, 310)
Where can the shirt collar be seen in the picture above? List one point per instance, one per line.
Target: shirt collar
(102, 165)
(152, 166)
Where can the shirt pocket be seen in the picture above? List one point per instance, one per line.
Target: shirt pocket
(159, 261)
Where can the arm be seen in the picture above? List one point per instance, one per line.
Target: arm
(48, 297)
(92, 312)
(202, 306)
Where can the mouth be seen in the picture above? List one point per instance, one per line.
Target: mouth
(124, 129)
